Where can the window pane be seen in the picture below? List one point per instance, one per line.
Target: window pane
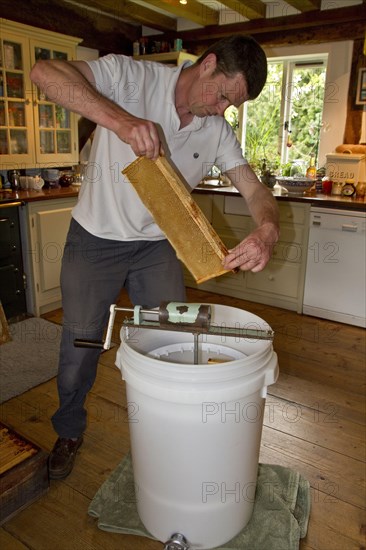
(18, 142)
(4, 150)
(60, 55)
(263, 117)
(42, 53)
(63, 142)
(12, 55)
(16, 114)
(45, 116)
(47, 142)
(14, 85)
(307, 93)
(2, 114)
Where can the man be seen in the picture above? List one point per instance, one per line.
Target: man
(143, 108)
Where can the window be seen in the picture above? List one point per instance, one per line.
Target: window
(283, 124)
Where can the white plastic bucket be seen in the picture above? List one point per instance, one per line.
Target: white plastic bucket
(196, 429)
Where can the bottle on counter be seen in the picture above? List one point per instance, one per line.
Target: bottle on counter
(14, 179)
(311, 170)
(361, 189)
(277, 189)
(136, 48)
(318, 186)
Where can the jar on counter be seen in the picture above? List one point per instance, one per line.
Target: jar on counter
(361, 189)
(327, 186)
(337, 188)
(66, 178)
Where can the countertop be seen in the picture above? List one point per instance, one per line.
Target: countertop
(31, 195)
(326, 201)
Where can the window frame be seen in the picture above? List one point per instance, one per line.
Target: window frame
(290, 63)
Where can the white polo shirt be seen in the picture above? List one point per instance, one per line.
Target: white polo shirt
(108, 205)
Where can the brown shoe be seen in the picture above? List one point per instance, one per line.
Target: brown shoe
(62, 457)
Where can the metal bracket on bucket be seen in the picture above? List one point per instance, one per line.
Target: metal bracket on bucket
(177, 542)
(176, 316)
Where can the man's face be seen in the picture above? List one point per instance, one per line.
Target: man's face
(211, 95)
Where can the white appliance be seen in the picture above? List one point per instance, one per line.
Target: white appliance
(335, 282)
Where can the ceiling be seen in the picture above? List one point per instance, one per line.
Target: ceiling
(173, 16)
(112, 25)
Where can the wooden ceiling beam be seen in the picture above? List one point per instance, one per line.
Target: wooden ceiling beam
(131, 11)
(251, 10)
(201, 14)
(305, 5)
(337, 18)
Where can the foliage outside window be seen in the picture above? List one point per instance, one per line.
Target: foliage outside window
(282, 126)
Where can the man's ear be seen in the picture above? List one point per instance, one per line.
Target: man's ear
(208, 65)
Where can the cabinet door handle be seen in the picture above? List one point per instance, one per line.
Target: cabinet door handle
(349, 227)
(271, 277)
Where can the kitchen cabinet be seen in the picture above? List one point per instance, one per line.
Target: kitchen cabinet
(12, 279)
(33, 131)
(170, 58)
(281, 283)
(44, 229)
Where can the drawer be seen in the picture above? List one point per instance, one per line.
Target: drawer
(292, 212)
(234, 222)
(288, 249)
(231, 238)
(290, 246)
(205, 204)
(234, 280)
(236, 205)
(276, 278)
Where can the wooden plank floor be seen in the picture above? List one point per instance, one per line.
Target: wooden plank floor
(314, 423)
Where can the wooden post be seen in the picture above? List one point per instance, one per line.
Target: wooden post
(352, 132)
(4, 328)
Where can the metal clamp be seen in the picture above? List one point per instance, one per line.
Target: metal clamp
(177, 542)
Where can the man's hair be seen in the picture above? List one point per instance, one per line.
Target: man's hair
(240, 54)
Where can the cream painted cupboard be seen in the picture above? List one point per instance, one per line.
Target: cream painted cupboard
(34, 132)
(169, 58)
(44, 227)
(281, 283)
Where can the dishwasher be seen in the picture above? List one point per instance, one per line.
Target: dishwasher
(335, 282)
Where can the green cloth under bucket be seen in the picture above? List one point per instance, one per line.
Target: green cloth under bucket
(280, 516)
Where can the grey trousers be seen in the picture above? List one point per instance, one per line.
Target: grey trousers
(93, 273)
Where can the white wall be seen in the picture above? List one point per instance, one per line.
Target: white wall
(86, 54)
(336, 88)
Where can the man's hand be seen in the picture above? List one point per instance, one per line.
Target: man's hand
(254, 252)
(141, 135)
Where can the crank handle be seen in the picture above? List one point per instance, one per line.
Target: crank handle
(99, 344)
(96, 344)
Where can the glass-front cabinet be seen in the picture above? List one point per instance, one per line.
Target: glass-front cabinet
(16, 118)
(33, 130)
(54, 130)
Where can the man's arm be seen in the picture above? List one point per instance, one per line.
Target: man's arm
(254, 252)
(71, 84)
